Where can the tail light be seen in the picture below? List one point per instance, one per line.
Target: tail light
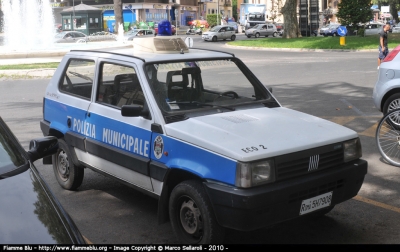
(392, 54)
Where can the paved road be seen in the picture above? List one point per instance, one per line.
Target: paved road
(335, 85)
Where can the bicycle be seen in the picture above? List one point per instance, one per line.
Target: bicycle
(388, 137)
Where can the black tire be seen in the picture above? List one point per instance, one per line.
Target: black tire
(392, 103)
(257, 35)
(233, 37)
(68, 175)
(248, 36)
(214, 39)
(275, 34)
(334, 35)
(188, 198)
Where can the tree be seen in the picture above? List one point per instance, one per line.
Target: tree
(291, 25)
(274, 10)
(352, 12)
(118, 14)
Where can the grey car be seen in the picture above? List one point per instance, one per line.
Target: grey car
(373, 28)
(262, 30)
(71, 37)
(386, 94)
(220, 32)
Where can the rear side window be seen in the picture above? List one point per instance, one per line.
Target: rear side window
(78, 78)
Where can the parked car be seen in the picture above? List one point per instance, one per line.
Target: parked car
(386, 93)
(332, 30)
(130, 35)
(262, 30)
(219, 32)
(71, 37)
(396, 29)
(326, 27)
(373, 28)
(173, 29)
(234, 25)
(29, 212)
(198, 131)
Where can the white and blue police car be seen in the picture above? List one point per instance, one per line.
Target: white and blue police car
(198, 131)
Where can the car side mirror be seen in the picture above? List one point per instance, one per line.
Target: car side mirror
(42, 147)
(134, 111)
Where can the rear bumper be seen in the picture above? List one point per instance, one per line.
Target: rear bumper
(250, 209)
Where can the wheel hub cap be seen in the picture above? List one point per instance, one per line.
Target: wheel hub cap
(63, 165)
(190, 217)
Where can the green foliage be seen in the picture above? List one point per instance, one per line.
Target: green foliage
(354, 11)
(212, 19)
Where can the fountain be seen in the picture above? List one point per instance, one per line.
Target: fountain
(28, 25)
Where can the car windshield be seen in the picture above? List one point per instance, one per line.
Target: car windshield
(60, 34)
(204, 85)
(133, 32)
(258, 26)
(10, 154)
(215, 29)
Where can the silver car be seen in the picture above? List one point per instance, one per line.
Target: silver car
(386, 94)
(262, 30)
(373, 28)
(71, 37)
(220, 32)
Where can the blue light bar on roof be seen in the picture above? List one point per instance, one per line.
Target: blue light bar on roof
(164, 28)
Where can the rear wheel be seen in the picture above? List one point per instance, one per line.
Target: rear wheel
(233, 37)
(392, 103)
(68, 175)
(257, 35)
(192, 216)
(214, 39)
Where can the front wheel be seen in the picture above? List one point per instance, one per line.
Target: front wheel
(233, 37)
(68, 175)
(192, 216)
(257, 35)
(214, 39)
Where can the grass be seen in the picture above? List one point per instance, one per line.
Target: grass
(30, 66)
(351, 43)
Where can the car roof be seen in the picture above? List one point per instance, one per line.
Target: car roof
(125, 54)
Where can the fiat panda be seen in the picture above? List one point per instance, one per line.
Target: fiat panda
(216, 149)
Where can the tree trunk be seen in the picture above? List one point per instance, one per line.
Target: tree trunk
(118, 15)
(291, 25)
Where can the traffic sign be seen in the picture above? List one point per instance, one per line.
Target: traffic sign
(342, 31)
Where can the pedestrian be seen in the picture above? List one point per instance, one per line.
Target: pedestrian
(383, 43)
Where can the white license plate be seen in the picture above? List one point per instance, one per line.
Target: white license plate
(315, 203)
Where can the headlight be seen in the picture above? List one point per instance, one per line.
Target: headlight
(255, 173)
(352, 150)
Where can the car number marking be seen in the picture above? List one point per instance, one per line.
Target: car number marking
(315, 203)
(253, 148)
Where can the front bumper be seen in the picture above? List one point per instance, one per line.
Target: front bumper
(258, 207)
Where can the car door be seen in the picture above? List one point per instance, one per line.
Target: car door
(222, 33)
(270, 30)
(263, 30)
(120, 145)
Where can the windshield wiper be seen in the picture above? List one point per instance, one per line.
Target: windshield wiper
(204, 104)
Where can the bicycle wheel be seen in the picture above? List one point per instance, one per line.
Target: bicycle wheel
(388, 137)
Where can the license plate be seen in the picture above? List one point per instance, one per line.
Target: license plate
(315, 203)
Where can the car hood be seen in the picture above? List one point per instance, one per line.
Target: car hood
(248, 135)
(250, 30)
(28, 215)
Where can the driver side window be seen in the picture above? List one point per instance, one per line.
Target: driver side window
(78, 78)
